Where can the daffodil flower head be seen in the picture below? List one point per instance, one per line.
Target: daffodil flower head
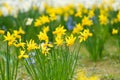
(22, 54)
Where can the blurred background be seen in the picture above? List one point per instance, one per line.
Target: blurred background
(12, 6)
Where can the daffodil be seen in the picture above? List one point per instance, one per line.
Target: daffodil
(118, 16)
(44, 19)
(37, 23)
(103, 19)
(59, 30)
(77, 28)
(70, 40)
(21, 31)
(46, 29)
(84, 35)
(19, 44)
(2, 31)
(45, 48)
(43, 36)
(78, 14)
(10, 38)
(16, 34)
(91, 13)
(86, 21)
(22, 54)
(114, 31)
(53, 17)
(1, 13)
(31, 45)
(58, 41)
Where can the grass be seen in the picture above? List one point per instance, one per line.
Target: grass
(108, 67)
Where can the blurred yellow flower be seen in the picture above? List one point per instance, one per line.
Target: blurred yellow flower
(84, 35)
(19, 44)
(22, 54)
(118, 16)
(91, 13)
(45, 29)
(77, 28)
(1, 13)
(2, 32)
(86, 21)
(81, 75)
(44, 19)
(59, 30)
(70, 40)
(10, 38)
(45, 48)
(16, 34)
(31, 45)
(103, 19)
(37, 23)
(114, 31)
(58, 41)
(53, 17)
(78, 14)
(21, 31)
(43, 36)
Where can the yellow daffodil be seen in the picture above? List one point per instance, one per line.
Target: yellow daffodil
(19, 44)
(31, 45)
(2, 31)
(86, 21)
(37, 23)
(70, 40)
(91, 13)
(58, 41)
(45, 48)
(103, 19)
(114, 31)
(10, 38)
(43, 36)
(16, 34)
(53, 17)
(1, 13)
(84, 35)
(78, 14)
(77, 28)
(44, 19)
(59, 31)
(46, 29)
(118, 16)
(21, 31)
(22, 54)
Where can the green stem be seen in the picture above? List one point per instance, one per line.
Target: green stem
(7, 58)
